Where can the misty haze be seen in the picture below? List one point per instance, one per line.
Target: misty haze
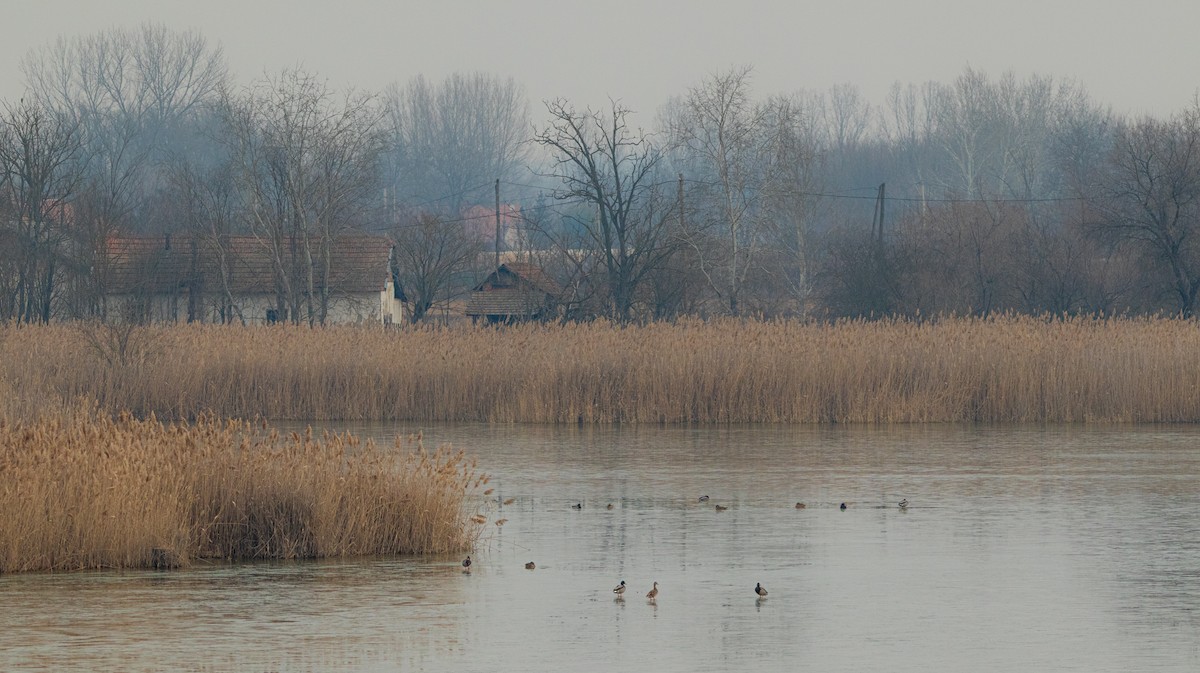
(311, 377)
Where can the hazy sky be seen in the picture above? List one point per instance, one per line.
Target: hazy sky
(1140, 56)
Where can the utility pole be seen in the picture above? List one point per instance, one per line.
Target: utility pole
(497, 223)
(877, 219)
(882, 199)
(681, 202)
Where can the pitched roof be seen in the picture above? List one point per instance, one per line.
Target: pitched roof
(514, 289)
(164, 264)
(511, 273)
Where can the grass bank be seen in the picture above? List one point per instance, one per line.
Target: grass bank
(1006, 369)
(89, 491)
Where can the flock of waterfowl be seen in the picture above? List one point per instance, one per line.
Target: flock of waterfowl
(652, 595)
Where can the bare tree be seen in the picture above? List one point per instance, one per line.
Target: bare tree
(745, 152)
(306, 167)
(131, 90)
(40, 172)
(430, 254)
(450, 141)
(1150, 199)
(204, 199)
(846, 116)
(600, 160)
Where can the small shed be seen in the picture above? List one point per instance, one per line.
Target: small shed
(515, 292)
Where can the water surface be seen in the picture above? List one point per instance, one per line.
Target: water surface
(1023, 549)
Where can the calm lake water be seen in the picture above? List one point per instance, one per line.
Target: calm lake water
(1023, 549)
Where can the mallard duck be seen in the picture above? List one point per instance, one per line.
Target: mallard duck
(467, 563)
(758, 589)
(619, 589)
(703, 498)
(530, 566)
(653, 593)
(610, 506)
(721, 508)
(843, 507)
(800, 505)
(904, 504)
(578, 505)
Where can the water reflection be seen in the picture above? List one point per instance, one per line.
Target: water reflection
(1021, 549)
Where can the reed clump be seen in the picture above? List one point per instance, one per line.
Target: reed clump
(995, 370)
(93, 491)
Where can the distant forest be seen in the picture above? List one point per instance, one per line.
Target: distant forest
(988, 194)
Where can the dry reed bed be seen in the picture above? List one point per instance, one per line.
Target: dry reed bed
(91, 491)
(1006, 369)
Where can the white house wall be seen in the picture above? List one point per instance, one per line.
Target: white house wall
(363, 308)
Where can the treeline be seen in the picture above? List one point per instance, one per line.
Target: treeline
(972, 197)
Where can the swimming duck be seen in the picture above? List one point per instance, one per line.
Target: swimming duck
(758, 589)
(530, 566)
(619, 589)
(578, 505)
(703, 498)
(610, 506)
(653, 593)
(721, 509)
(800, 505)
(467, 563)
(904, 504)
(843, 507)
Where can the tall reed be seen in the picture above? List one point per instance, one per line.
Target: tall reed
(1003, 369)
(93, 491)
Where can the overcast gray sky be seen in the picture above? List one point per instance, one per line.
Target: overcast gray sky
(1140, 56)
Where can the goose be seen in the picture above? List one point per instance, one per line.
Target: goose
(530, 566)
(653, 593)
(904, 504)
(619, 589)
(758, 589)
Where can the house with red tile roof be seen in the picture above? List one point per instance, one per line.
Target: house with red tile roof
(245, 279)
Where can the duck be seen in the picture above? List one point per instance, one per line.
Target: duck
(703, 498)
(758, 589)
(610, 506)
(721, 508)
(578, 505)
(904, 504)
(467, 563)
(653, 593)
(843, 507)
(530, 565)
(619, 589)
(800, 505)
